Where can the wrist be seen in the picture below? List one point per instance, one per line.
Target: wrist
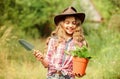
(41, 59)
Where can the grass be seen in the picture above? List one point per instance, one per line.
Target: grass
(25, 70)
(17, 63)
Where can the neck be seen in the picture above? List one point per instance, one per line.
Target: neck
(68, 36)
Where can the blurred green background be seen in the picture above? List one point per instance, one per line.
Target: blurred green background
(32, 20)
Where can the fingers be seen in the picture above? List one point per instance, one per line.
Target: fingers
(36, 51)
(38, 55)
(79, 75)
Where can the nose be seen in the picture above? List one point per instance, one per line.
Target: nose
(70, 25)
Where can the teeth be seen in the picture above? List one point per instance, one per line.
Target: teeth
(70, 29)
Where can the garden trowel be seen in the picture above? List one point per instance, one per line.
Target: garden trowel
(26, 45)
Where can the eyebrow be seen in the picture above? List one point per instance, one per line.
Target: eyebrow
(68, 20)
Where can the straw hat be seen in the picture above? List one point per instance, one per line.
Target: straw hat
(69, 11)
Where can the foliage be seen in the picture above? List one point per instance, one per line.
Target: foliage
(81, 52)
(34, 17)
(104, 45)
(107, 7)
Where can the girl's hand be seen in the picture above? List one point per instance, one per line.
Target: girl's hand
(39, 56)
(78, 75)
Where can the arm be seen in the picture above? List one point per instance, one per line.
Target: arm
(80, 44)
(40, 57)
(45, 60)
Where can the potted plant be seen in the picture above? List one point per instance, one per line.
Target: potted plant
(81, 58)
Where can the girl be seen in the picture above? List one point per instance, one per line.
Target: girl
(67, 34)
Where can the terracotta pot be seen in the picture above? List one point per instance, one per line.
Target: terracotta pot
(79, 65)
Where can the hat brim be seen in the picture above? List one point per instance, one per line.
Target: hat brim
(58, 18)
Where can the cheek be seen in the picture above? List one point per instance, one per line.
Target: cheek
(74, 27)
(64, 26)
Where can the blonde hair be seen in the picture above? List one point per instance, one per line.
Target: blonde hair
(59, 32)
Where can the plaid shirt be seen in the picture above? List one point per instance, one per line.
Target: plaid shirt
(58, 60)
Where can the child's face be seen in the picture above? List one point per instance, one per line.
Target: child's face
(69, 25)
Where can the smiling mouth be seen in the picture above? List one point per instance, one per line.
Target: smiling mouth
(70, 29)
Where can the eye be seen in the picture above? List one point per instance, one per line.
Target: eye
(74, 22)
(66, 22)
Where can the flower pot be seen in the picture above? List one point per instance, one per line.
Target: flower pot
(79, 65)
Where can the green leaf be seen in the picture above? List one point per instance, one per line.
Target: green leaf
(81, 52)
